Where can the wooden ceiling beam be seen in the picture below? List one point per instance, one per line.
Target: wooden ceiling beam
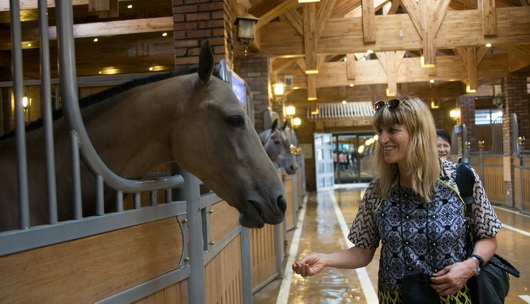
(390, 61)
(311, 63)
(33, 4)
(296, 20)
(334, 74)
(279, 9)
(489, 17)
(368, 17)
(343, 7)
(98, 29)
(397, 32)
(323, 15)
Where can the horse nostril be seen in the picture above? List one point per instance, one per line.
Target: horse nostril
(282, 204)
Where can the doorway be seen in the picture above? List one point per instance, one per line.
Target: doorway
(351, 157)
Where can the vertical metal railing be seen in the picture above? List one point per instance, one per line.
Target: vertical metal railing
(46, 98)
(18, 90)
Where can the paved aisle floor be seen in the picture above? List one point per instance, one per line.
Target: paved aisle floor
(327, 218)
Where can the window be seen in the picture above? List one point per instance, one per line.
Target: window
(488, 117)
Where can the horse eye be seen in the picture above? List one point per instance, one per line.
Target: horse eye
(236, 120)
(277, 142)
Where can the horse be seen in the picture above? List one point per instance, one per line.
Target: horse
(278, 147)
(193, 120)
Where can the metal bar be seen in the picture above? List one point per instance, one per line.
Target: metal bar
(76, 177)
(168, 196)
(47, 111)
(20, 135)
(154, 198)
(217, 248)
(100, 195)
(68, 80)
(137, 200)
(196, 282)
(147, 288)
(20, 240)
(119, 201)
(246, 267)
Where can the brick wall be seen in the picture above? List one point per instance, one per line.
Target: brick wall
(254, 69)
(466, 103)
(516, 102)
(196, 21)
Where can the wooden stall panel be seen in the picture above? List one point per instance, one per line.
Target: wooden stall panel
(92, 268)
(494, 184)
(174, 294)
(263, 254)
(522, 189)
(224, 281)
(223, 219)
(289, 197)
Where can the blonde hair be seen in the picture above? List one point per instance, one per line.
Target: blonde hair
(422, 153)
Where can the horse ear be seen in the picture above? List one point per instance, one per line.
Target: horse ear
(274, 125)
(285, 124)
(205, 62)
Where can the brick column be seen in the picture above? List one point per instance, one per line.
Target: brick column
(516, 102)
(466, 103)
(196, 21)
(255, 70)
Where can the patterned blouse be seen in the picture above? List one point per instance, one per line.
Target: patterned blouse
(420, 237)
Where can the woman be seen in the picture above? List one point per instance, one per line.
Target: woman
(444, 143)
(412, 209)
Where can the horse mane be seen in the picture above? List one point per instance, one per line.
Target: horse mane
(110, 92)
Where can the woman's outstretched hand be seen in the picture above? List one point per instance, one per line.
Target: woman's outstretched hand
(309, 265)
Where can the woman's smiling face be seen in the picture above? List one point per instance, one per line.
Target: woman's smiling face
(394, 141)
(444, 148)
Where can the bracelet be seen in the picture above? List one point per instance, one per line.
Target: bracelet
(477, 261)
(479, 258)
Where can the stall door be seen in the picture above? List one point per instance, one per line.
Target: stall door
(324, 161)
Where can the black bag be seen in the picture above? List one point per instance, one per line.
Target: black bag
(415, 289)
(492, 284)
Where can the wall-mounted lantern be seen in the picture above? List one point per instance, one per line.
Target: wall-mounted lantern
(245, 29)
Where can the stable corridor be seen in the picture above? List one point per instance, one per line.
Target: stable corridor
(323, 224)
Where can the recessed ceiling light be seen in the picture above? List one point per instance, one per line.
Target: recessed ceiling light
(488, 45)
(164, 34)
(96, 39)
(431, 81)
(129, 6)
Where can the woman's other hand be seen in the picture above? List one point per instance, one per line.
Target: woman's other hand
(452, 278)
(309, 265)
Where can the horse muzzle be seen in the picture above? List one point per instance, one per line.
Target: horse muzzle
(257, 214)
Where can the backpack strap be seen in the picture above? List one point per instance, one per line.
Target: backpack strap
(465, 180)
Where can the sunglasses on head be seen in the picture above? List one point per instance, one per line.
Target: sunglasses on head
(392, 104)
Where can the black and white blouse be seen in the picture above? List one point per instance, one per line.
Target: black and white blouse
(420, 237)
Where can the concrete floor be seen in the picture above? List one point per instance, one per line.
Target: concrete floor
(328, 217)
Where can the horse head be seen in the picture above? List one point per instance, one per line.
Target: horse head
(217, 142)
(276, 143)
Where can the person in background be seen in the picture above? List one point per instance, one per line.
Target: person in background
(444, 143)
(413, 210)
